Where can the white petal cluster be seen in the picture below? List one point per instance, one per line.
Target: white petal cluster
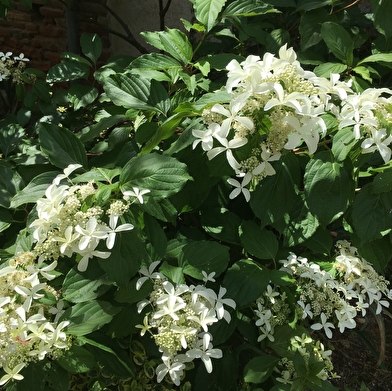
(29, 329)
(12, 67)
(333, 300)
(276, 105)
(178, 317)
(69, 223)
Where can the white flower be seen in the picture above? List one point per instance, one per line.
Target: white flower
(144, 327)
(5, 56)
(307, 309)
(227, 146)
(12, 373)
(112, 233)
(219, 305)
(206, 318)
(208, 277)
(323, 325)
(135, 192)
(175, 370)
(30, 294)
(67, 172)
(21, 57)
(378, 141)
(205, 352)
(344, 321)
(92, 230)
(265, 168)
(148, 274)
(235, 106)
(306, 130)
(240, 187)
(90, 252)
(206, 137)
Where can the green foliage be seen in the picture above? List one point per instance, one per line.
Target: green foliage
(129, 130)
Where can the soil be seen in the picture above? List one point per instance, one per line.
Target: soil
(360, 357)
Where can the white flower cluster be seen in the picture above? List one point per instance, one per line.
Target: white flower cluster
(329, 300)
(12, 66)
(276, 105)
(309, 350)
(179, 321)
(29, 329)
(69, 223)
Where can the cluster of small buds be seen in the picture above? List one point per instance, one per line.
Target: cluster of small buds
(178, 319)
(308, 348)
(29, 329)
(333, 300)
(278, 105)
(68, 224)
(12, 66)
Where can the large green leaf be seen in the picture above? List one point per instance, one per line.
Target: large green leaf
(68, 70)
(378, 57)
(88, 316)
(325, 69)
(91, 46)
(61, 146)
(382, 16)
(245, 281)
(343, 142)
(329, 186)
(81, 287)
(10, 184)
(377, 252)
(248, 8)
(371, 213)
(309, 27)
(10, 136)
(77, 360)
(125, 258)
(275, 195)
(260, 368)
(338, 41)
(157, 61)
(205, 256)
(34, 190)
(80, 95)
(382, 182)
(135, 92)
(258, 241)
(161, 174)
(172, 41)
(207, 11)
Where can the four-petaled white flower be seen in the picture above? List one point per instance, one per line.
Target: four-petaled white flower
(113, 219)
(240, 187)
(174, 369)
(326, 326)
(148, 274)
(378, 141)
(137, 193)
(12, 373)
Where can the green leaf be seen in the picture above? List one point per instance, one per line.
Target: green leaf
(382, 182)
(245, 281)
(377, 252)
(156, 236)
(343, 143)
(320, 242)
(172, 41)
(221, 224)
(10, 183)
(275, 195)
(87, 317)
(91, 46)
(248, 8)
(382, 11)
(61, 146)
(81, 96)
(80, 287)
(205, 256)
(309, 27)
(77, 360)
(155, 61)
(378, 57)
(10, 136)
(325, 69)
(110, 355)
(135, 92)
(371, 213)
(260, 368)
(6, 219)
(329, 186)
(92, 131)
(259, 241)
(308, 5)
(67, 70)
(338, 41)
(162, 175)
(207, 11)
(125, 258)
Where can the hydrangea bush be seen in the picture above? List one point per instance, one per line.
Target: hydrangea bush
(191, 220)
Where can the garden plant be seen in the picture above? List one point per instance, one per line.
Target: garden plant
(205, 216)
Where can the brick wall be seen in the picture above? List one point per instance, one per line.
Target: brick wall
(41, 33)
